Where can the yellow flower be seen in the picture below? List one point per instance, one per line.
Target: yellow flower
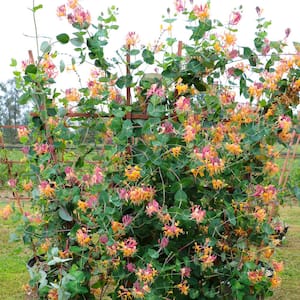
(198, 171)
(215, 167)
(255, 91)
(297, 84)
(6, 211)
(183, 287)
(240, 232)
(53, 294)
(96, 292)
(128, 247)
(46, 189)
(117, 226)
(197, 248)
(268, 252)
(146, 275)
(218, 184)
(82, 205)
(82, 236)
(176, 151)
(72, 95)
(72, 3)
(133, 173)
(137, 195)
(275, 281)
(271, 168)
(132, 39)
(172, 230)
(255, 276)
(189, 133)
(45, 246)
(181, 88)
(229, 39)
(260, 214)
(201, 12)
(124, 293)
(217, 46)
(234, 149)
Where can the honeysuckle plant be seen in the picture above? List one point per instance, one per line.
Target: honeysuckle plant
(175, 194)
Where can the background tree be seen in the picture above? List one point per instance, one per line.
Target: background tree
(11, 113)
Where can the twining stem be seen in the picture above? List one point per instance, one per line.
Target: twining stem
(35, 29)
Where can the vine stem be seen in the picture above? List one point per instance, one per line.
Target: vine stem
(35, 29)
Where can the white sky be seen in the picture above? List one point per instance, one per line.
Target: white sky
(141, 16)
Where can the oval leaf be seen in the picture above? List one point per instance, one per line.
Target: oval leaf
(148, 56)
(31, 69)
(63, 38)
(64, 214)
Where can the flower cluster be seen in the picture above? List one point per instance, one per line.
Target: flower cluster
(75, 14)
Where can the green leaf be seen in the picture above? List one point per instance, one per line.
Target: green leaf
(180, 198)
(76, 249)
(45, 47)
(77, 42)
(37, 7)
(155, 110)
(247, 52)
(124, 81)
(76, 289)
(258, 42)
(13, 62)
(297, 192)
(153, 253)
(63, 38)
(267, 228)
(148, 56)
(238, 72)
(116, 124)
(24, 98)
(243, 86)
(170, 20)
(241, 243)
(57, 260)
(194, 294)
(135, 65)
(170, 41)
(64, 214)
(51, 111)
(80, 162)
(31, 69)
(297, 46)
(253, 60)
(200, 30)
(127, 129)
(62, 66)
(251, 56)
(269, 64)
(134, 52)
(230, 214)
(104, 197)
(195, 66)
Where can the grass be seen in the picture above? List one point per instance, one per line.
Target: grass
(289, 253)
(16, 168)
(13, 272)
